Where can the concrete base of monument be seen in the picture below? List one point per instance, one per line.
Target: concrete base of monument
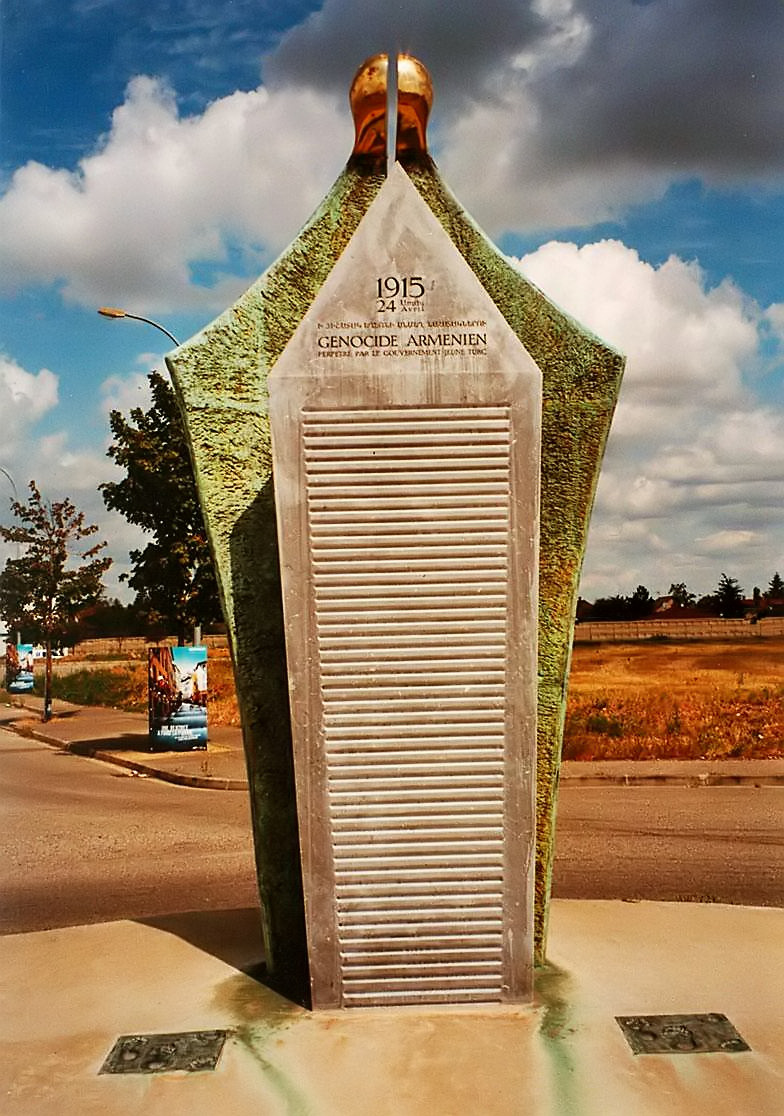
(68, 994)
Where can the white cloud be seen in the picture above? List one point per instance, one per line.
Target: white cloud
(164, 193)
(24, 397)
(688, 344)
(727, 544)
(694, 470)
(573, 109)
(122, 393)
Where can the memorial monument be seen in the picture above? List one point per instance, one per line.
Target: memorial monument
(435, 427)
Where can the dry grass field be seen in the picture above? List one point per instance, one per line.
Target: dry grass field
(661, 700)
(651, 700)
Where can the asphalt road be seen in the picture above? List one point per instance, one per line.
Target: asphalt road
(699, 844)
(84, 841)
(87, 842)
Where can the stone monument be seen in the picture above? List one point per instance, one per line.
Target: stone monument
(427, 405)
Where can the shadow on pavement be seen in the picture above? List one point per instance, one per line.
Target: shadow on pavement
(233, 936)
(126, 742)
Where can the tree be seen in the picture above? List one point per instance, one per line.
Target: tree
(682, 598)
(640, 603)
(106, 619)
(173, 576)
(729, 596)
(610, 608)
(775, 590)
(635, 607)
(42, 591)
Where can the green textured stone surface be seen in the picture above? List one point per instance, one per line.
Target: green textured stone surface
(220, 377)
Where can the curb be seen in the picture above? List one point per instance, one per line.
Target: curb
(708, 779)
(206, 782)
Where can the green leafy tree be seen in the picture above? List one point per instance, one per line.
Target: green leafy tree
(54, 578)
(729, 596)
(173, 576)
(680, 594)
(106, 619)
(775, 590)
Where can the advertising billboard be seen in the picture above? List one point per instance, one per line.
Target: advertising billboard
(19, 668)
(177, 698)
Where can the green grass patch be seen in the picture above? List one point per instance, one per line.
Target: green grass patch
(116, 688)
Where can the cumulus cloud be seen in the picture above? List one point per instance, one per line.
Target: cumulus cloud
(695, 462)
(574, 109)
(25, 395)
(30, 451)
(165, 193)
(24, 398)
(123, 393)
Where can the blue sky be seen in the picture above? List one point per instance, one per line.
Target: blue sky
(629, 154)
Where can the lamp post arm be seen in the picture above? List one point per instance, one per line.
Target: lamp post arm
(115, 312)
(11, 481)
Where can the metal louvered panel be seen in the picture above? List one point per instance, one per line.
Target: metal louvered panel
(407, 498)
(411, 623)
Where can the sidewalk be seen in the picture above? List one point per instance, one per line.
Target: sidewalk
(121, 738)
(68, 995)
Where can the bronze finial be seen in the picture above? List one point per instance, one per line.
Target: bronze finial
(368, 99)
(414, 101)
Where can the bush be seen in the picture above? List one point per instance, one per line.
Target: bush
(117, 688)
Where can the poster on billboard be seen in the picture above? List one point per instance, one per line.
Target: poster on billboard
(177, 698)
(19, 668)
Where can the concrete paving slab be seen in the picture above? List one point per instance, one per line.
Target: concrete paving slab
(67, 995)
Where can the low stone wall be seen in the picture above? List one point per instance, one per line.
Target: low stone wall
(622, 630)
(135, 647)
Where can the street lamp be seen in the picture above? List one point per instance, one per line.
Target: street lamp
(115, 312)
